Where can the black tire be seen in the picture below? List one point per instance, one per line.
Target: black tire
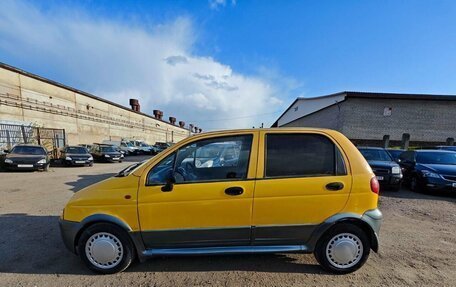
(46, 167)
(415, 185)
(128, 254)
(91, 164)
(342, 229)
(396, 188)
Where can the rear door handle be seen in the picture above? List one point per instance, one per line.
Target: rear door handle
(335, 186)
(235, 190)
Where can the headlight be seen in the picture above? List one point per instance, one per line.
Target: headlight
(396, 170)
(8, 161)
(90, 158)
(427, 173)
(42, 161)
(68, 158)
(107, 155)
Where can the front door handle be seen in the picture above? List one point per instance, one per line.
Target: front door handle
(335, 186)
(235, 190)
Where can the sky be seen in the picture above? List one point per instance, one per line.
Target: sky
(232, 63)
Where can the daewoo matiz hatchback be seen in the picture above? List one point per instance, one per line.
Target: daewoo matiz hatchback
(233, 192)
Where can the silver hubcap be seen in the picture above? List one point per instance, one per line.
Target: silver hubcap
(104, 250)
(344, 250)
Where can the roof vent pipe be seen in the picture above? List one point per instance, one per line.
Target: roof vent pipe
(135, 106)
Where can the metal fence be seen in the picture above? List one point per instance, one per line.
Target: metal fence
(51, 139)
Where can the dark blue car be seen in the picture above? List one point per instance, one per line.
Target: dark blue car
(429, 170)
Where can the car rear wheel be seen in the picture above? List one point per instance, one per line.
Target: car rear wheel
(105, 248)
(343, 249)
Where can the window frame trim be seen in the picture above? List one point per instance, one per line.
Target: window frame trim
(252, 137)
(336, 147)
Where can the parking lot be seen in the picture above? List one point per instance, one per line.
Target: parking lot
(417, 243)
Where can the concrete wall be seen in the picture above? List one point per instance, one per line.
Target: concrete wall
(85, 119)
(358, 118)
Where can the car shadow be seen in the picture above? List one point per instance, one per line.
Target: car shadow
(85, 180)
(31, 244)
(408, 194)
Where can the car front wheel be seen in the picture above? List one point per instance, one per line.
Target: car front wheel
(343, 249)
(105, 248)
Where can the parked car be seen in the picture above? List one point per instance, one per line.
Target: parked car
(395, 153)
(429, 170)
(124, 146)
(285, 190)
(161, 146)
(106, 153)
(26, 157)
(446, 147)
(388, 171)
(76, 155)
(87, 146)
(144, 148)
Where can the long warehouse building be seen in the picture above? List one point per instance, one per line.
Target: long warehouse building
(28, 99)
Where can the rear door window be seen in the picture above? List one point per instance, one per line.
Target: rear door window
(302, 155)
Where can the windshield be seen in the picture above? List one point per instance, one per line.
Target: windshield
(31, 150)
(375, 154)
(76, 150)
(108, 149)
(436, 157)
(395, 153)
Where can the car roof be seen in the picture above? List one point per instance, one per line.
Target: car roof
(29, 145)
(433, 150)
(371, 147)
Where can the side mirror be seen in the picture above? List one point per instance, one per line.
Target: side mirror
(170, 181)
(6, 151)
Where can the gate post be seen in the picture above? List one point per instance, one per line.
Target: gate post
(386, 141)
(8, 139)
(24, 136)
(38, 135)
(405, 141)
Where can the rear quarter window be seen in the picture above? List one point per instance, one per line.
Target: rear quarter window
(302, 155)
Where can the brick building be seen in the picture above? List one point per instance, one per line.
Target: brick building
(372, 118)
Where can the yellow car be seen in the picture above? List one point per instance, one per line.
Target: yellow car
(233, 192)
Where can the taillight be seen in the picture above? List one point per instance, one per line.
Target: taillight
(375, 186)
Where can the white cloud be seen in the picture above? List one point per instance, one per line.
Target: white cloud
(119, 61)
(215, 4)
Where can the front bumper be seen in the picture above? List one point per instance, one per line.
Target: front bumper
(24, 166)
(389, 179)
(77, 162)
(438, 184)
(69, 231)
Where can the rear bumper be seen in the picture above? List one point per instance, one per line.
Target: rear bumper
(374, 218)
